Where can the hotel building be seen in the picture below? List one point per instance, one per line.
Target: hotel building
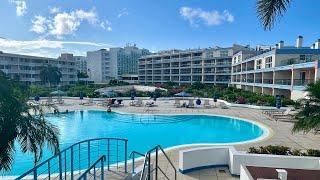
(114, 63)
(280, 70)
(210, 66)
(27, 68)
(81, 63)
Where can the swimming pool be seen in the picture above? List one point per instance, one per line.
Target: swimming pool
(145, 131)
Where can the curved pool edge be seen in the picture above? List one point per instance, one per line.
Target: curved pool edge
(267, 131)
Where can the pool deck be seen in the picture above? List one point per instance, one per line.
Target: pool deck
(280, 132)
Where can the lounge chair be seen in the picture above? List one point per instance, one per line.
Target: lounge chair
(59, 100)
(281, 113)
(177, 103)
(137, 103)
(206, 103)
(150, 104)
(120, 102)
(49, 101)
(223, 105)
(190, 104)
(89, 102)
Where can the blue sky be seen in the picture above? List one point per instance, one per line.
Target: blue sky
(48, 27)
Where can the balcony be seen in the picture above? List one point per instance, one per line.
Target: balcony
(302, 82)
(268, 81)
(283, 81)
(250, 81)
(258, 80)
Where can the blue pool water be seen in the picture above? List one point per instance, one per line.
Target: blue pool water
(144, 131)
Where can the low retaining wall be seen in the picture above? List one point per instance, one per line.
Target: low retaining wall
(201, 158)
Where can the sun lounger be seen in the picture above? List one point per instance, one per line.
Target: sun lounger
(177, 103)
(223, 105)
(137, 103)
(49, 101)
(150, 104)
(206, 103)
(89, 102)
(190, 104)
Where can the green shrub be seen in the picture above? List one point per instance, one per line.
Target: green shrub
(283, 150)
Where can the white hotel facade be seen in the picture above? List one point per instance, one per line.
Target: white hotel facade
(210, 66)
(27, 68)
(281, 70)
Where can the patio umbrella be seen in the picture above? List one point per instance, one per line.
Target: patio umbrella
(58, 92)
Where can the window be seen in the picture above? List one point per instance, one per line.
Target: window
(258, 63)
(269, 62)
(224, 53)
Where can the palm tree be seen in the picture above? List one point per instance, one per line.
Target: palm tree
(23, 124)
(269, 10)
(309, 117)
(50, 74)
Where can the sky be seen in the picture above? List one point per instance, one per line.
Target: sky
(50, 27)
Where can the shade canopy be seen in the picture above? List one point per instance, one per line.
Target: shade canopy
(58, 92)
(183, 94)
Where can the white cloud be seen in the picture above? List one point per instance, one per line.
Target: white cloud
(106, 25)
(54, 10)
(64, 23)
(21, 7)
(210, 18)
(47, 48)
(39, 24)
(123, 12)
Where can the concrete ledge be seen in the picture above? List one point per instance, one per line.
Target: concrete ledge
(200, 158)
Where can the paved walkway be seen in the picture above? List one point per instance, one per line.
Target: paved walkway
(280, 132)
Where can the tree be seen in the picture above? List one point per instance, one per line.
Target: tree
(269, 10)
(50, 74)
(309, 117)
(22, 123)
(82, 75)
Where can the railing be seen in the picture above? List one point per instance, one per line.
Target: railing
(302, 82)
(148, 169)
(283, 81)
(78, 156)
(258, 80)
(93, 167)
(268, 81)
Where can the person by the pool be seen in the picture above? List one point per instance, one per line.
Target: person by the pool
(109, 109)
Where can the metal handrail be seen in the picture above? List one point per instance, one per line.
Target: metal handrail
(71, 148)
(102, 159)
(147, 159)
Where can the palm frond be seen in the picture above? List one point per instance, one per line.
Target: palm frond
(269, 10)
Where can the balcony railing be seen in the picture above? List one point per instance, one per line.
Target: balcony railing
(268, 81)
(283, 81)
(302, 82)
(250, 81)
(258, 80)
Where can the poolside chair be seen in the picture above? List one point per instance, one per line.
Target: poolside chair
(281, 113)
(89, 102)
(190, 104)
(150, 104)
(206, 103)
(137, 103)
(223, 105)
(120, 102)
(59, 100)
(49, 101)
(177, 103)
